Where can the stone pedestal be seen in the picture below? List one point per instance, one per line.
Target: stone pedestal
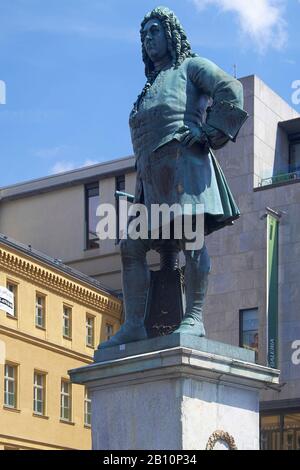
(176, 392)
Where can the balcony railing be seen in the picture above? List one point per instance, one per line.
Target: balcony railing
(283, 178)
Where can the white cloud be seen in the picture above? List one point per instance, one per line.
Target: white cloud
(90, 163)
(261, 20)
(64, 166)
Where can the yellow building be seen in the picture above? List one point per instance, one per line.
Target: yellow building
(59, 318)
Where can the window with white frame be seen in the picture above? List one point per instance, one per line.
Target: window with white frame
(10, 385)
(66, 401)
(39, 393)
(90, 322)
(67, 322)
(40, 311)
(87, 408)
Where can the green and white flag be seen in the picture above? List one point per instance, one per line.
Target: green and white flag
(272, 290)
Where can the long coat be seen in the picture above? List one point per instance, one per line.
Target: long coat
(196, 94)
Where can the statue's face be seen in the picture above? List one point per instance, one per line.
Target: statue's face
(154, 40)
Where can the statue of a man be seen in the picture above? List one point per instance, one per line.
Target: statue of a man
(187, 107)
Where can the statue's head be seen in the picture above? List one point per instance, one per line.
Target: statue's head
(162, 34)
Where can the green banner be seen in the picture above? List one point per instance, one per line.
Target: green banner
(272, 290)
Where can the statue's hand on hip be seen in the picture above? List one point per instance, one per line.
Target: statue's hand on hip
(189, 136)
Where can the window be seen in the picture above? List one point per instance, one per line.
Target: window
(10, 386)
(39, 393)
(270, 432)
(40, 304)
(109, 331)
(65, 401)
(291, 431)
(120, 186)
(87, 408)
(280, 430)
(67, 322)
(90, 331)
(295, 155)
(249, 330)
(91, 205)
(12, 287)
(120, 183)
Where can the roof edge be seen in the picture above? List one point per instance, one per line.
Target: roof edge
(67, 179)
(55, 264)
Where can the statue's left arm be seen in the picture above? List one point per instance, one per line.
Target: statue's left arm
(226, 115)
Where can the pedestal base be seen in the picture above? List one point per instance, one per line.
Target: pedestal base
(178, 393)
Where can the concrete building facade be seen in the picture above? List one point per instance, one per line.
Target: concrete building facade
(263, 171)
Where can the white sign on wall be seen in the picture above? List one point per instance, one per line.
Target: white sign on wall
(6, 300)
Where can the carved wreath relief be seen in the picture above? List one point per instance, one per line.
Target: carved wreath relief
(221, 437)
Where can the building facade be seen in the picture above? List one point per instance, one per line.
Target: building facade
(263, 171)
(59, 318)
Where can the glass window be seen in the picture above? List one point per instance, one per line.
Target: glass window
(91, 219)
(291, 431)
(270, 432)
(90, 331)
(280, 431)
(120, 186)
(40, 311)
(14, 289)
(67, 322)
(65, 401)
(295, 156)
(10, 386)
(39, 393)
(109, 331)
(249, 330)
(87, 408)
(120, 183)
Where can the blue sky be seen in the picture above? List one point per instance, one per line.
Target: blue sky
(73, 68)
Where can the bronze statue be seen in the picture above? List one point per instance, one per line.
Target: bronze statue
(188, 107)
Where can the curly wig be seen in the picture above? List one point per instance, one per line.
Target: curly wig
(178, 45)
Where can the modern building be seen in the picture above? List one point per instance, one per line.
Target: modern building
(254, 290)
(59, 318)
(57, 215)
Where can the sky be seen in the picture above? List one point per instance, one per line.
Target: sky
(70, 71)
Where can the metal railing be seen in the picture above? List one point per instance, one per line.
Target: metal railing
(283, 178)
